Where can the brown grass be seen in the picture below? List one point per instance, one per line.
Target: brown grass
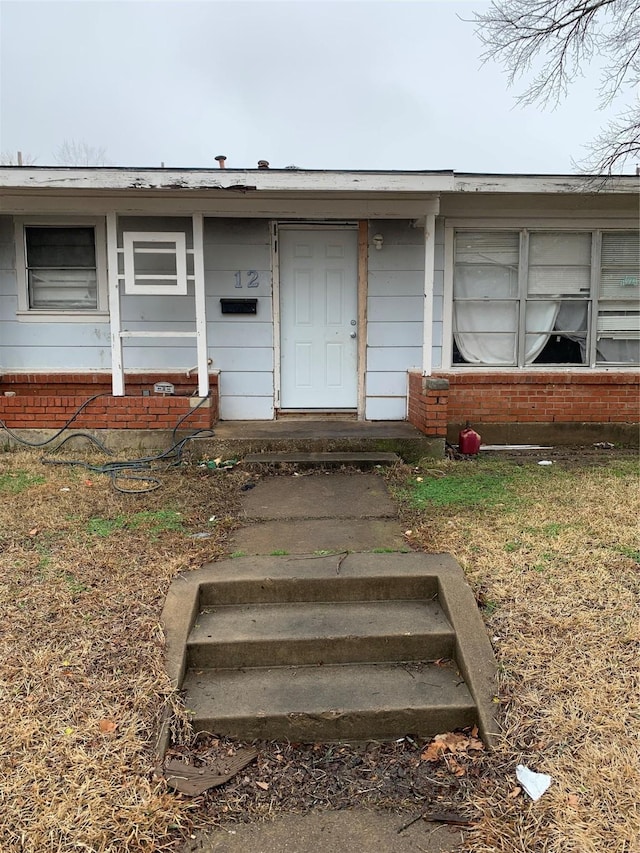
(83, 575)
(556, 567)
(81, 679)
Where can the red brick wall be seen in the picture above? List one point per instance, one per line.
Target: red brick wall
(89, 384)
(532, 397)
(47, 401)
(428, 397)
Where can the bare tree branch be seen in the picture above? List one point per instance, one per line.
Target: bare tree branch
(74, 153)
(16, 158)
(553, 40)
(617, 144)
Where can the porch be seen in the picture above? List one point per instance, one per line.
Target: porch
(311, 435)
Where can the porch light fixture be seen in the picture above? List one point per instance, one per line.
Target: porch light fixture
(378, 241)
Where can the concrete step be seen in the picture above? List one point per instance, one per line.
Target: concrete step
(326, 703)
(359, 459)
(239, 438)
(311, 577)
(319, 633)
(330, 647)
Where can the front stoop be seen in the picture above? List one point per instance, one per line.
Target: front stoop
(356, 647)
(329, 436)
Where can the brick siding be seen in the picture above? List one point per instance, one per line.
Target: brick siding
(528, 397)
(428, 403)
(47, 401)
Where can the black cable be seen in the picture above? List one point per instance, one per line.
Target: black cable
(116, 469)
(78, 411)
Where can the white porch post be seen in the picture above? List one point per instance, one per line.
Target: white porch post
(427, 316)
(201, 309)
(117, 368)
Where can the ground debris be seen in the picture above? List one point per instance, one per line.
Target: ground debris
(296, 777)
(450, 818)
(192, 780)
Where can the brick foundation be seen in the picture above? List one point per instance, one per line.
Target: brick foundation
(47, 401)
(528, 407)
(596, 397)
(428, 403)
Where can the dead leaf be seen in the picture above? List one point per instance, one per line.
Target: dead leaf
(107, 726)
(433, 751)
(573, 801)
(515, 793)
(454, 767)
(34, 531)
(263, 785)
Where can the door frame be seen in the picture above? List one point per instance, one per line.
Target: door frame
(362, 228)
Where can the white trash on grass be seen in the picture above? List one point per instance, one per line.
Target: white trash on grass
(535, 784)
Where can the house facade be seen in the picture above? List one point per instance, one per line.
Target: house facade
(433, 297)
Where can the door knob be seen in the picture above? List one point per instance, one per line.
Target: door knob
(352, 335)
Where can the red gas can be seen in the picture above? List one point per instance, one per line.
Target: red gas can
(469, 441)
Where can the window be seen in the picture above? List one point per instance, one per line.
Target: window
(61, 267)
(525, 298)
(155, 263)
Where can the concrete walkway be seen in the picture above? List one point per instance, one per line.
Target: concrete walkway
(306, 514)
(319, 512)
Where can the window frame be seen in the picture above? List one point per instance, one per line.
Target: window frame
(525, 228)
(131, 276)
(78, 315)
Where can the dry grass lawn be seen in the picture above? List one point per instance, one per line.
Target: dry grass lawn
(551, 552)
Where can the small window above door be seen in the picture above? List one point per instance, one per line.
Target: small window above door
(155, 263)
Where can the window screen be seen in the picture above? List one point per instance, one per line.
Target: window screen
(61, 268)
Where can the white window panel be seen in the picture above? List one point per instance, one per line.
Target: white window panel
(620, 279)
(497, 248)
(155, 263)
(61, 267)
(559, 264)
(551, 305)
(618, 320)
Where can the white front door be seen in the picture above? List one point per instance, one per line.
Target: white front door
(318, 314)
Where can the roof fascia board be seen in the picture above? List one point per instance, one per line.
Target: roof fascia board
(261, 180)
(596, 184)
(288, 181)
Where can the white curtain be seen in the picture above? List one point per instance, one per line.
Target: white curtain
(485, 332)
(486, 289)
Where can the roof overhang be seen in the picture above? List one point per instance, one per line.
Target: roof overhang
(223, 180)
(271, 193)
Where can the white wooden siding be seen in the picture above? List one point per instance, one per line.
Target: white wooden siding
(241, 346)
(438, 295)
(8, 291)
(394, 314)
(159, 313)
(387, 334)
(47, 345)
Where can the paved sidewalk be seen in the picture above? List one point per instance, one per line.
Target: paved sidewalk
(349, 831)
(319, 512)
(305, 515)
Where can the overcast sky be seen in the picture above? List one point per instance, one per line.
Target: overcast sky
(320, 85)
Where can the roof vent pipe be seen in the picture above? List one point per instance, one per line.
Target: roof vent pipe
(263, 164)
(221, 158)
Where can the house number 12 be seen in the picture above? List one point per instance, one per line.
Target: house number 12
(252, 278)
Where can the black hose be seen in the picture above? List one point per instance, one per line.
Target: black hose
(116, 469)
